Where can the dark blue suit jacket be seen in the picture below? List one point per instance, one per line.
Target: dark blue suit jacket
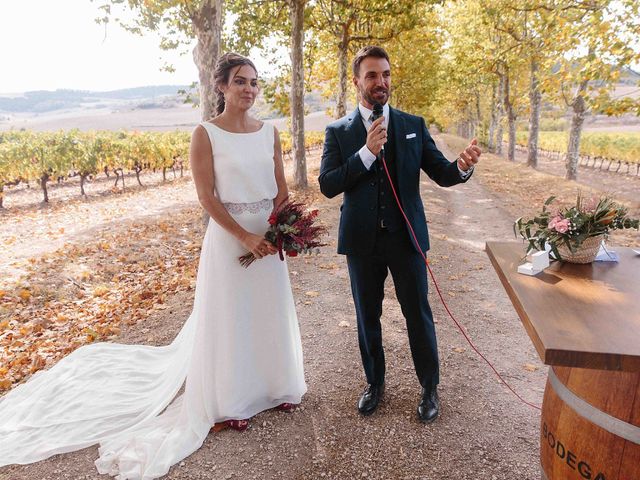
(342, 171)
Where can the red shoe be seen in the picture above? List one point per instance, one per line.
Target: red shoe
(238, 425)
(287, 407)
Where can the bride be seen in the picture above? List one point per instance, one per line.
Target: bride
(238, 353)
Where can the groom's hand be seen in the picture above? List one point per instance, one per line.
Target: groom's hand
(469, 156)
(376, 136)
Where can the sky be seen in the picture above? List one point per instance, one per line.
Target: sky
(51, 44)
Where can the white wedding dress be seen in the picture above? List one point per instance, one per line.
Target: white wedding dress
(238, 354)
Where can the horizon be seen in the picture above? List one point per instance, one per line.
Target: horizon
(94, 91)
(635, 70)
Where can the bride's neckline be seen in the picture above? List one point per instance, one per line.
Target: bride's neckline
(237, 133)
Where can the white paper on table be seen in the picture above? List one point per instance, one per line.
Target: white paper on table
(606, 255)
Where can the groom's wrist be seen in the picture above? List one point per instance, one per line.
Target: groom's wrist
(366, 157)
(463, 173)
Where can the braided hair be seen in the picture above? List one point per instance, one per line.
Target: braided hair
(225, 64)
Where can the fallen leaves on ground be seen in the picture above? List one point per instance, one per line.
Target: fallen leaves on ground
(34, 229)
(82, 293)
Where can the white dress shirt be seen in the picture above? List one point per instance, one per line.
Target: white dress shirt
(366, 156)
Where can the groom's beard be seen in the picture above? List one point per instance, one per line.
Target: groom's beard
(377, 95)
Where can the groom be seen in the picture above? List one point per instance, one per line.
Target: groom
(373, 233)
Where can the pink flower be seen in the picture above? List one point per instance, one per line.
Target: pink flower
(554, 221)
(562, 226)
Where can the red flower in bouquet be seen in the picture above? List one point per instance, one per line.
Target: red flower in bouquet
(292, 231)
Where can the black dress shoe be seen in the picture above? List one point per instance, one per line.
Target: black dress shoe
(370, 398)
(429, 405)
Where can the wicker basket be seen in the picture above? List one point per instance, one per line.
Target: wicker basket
(586, 253)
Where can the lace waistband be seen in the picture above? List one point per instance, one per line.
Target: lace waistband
(253, 207)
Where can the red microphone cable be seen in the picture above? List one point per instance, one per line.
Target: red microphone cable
(435, 283)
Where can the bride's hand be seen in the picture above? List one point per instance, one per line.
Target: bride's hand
(259, 246)
(279, 200)
(277, 203)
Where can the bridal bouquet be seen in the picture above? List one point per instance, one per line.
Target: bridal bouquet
(568, 228)
(292, 231)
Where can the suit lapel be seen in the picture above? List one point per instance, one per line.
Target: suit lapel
(398, 129)
(398, 123)
(355, 128)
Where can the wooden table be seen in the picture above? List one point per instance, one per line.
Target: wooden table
(584, 321)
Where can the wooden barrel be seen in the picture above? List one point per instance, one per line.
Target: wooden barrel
(590, 425)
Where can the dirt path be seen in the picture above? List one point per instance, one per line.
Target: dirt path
(483, 432)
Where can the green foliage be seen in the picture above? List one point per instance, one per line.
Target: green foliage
(553, 125)
(546, 125)
(597, 41)
(311, 139)
(341, 28)
(619, 146)
(276, 92)
(173, 18)
(30, 156)
(417, 72)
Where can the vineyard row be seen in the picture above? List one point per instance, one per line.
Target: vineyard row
(613, 148)
(45, 156)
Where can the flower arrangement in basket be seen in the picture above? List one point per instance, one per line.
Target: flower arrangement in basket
(574, 233)
(291, 231)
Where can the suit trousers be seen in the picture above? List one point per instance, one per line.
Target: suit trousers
(394, 252)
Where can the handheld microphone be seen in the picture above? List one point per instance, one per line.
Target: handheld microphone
(377, 111)
(376, 114)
